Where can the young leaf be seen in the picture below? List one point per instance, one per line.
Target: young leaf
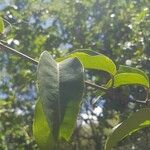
(127, 69)
(61, 88)
(92, 60)
(130, 78)
(1, 25)
(135, 122)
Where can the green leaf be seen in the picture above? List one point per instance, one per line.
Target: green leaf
(130, 78)
(1, 25)
(93, 60)
(3, 102)
(135, 122)
(129, 75)
(61, 88)
(41, 130)
(127, 69)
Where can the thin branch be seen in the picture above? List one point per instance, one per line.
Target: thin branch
(35, 62)
(13, 51)
(7, 22)
(95, 85)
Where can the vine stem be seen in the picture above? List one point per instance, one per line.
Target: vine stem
(35, 62)
(15, 52)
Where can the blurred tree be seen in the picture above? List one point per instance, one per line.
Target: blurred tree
(119, 29)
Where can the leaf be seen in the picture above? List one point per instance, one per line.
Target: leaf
(121, 79)
(61, 88)
(41, 130)
(1, 25)
(130, 78)
(94, 60)
(135, 122)
(127, 69)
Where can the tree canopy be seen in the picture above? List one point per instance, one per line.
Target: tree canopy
(118, 29)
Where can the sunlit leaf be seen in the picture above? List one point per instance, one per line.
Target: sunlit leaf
(130, 78)
(93, 60)
(1, 25)
(135, 122)
(127, 69)
(41, 130)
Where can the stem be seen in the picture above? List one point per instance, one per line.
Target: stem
(35, 62)
(7, 22)
(13, 51)
(95, 85)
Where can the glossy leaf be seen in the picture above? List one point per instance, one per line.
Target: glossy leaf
(92, 60)
(1, 25)
(127, 69)
(60, 89)
(135, 122)
(130, 78)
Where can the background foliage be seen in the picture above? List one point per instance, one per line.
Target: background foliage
(118, 29)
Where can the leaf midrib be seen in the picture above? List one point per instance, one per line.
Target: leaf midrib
(58, 102)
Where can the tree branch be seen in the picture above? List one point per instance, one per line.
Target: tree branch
(13, 51)
(35, 62)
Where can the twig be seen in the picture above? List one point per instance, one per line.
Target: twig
(7, 22)
(13, 51)
(95, 85)
(35, 62)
